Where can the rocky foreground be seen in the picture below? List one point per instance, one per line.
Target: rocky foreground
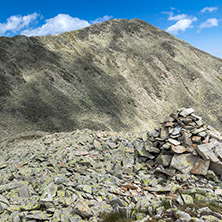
(120, 75)
(170, 174)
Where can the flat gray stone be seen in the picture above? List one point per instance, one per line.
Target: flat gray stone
(38, 215)
(199, 130)
(167, 172)
(31, 203)
(183, 216)
(186, 112)
(201, 167)
(216, 167)
(23, 191)
(164, 160)
(148, 147)
(174, 142)
(176, 130)
(206, 152)
(183, 162)
(10, 186)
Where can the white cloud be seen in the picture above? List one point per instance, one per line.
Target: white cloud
(101, 19)
(208, 9)
(62, 23)
(58, 24)
(212, 22)
(181, 25)
(172, 8)
(177, 17)
(17, 22)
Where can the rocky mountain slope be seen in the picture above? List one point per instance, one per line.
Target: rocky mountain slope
(121, 75)
(169, 174)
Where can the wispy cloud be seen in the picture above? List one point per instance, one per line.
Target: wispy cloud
(101, 19)
(208, 9)
(16, 23)
(177, 17)
(183, 22)
(212, 22)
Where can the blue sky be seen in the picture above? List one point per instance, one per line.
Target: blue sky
(199, 22)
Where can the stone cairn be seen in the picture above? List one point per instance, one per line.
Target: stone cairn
(170, 174)
(185, 143)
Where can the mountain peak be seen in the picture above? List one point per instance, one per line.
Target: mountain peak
(121, 75)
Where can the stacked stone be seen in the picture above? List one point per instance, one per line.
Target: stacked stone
(185, 143)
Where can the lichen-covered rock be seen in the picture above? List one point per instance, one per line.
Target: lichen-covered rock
(73, 178)
(30, 203)
(82, 208)
(187, 199)
(183, 162)
(182, 216)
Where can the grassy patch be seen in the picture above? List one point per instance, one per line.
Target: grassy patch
(166, 204)
(192, 194)
(213, 205)
(115, 217)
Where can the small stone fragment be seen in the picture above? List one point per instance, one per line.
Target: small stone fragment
(180, 200)
(97, 145)
(154, 133)
(82, 209)
(176, 130)
(164, 160)
(81, 153)
(163, 133)
(210, 218)
(211, 175)
(199, 130)
(148, 147)
(167, 172)
(178, 149)
(187, 199)
(202, 134)
(196, 139)
(38, 215)
(214, 133)
(60, 179)
(174, 142)
(166, 146)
